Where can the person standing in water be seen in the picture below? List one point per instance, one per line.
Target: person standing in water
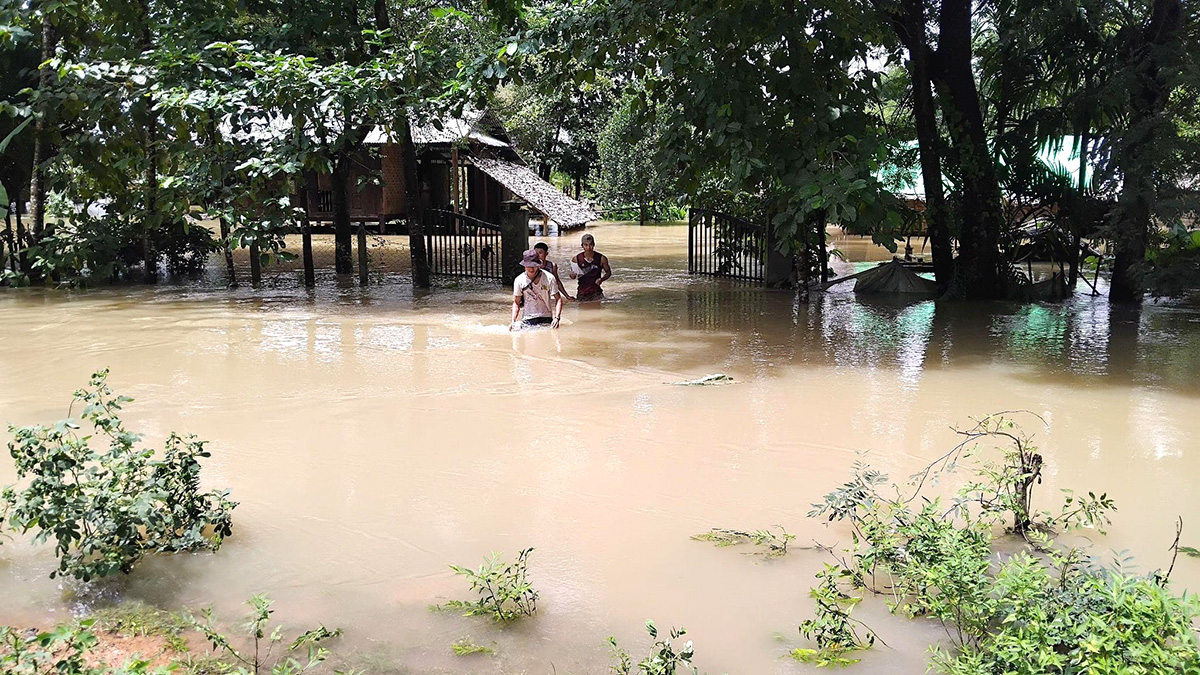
(593, 270)
(535, 292)
(543, 252)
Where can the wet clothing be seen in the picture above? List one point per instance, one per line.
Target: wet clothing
(589, 279)
(538, 321)
(536, 296)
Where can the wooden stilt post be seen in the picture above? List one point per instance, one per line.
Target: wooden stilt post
(362, 253)
(255, 265)
(310, 272)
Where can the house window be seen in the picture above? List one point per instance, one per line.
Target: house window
(324, 201)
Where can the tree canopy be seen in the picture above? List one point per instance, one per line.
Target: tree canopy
(802, 114)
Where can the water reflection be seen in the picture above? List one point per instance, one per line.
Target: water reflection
(1082, 340)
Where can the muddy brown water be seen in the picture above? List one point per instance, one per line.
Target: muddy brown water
(373, 436)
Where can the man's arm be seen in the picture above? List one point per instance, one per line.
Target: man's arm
(557, 312)
(606, 270)
(516, 309)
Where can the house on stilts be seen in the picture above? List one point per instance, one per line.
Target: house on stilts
(465, 165)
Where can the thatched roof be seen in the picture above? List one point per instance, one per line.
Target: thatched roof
(542, 196)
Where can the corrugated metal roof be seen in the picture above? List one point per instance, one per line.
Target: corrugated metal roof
(542, 196)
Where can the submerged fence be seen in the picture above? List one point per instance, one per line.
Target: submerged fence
(723, 245)
(462, 246)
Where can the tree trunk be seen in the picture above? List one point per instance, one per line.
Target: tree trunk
(150, 219)
(824, 250)
(578, 181)
(1136, 204)
(416, 210)
(22, 240)
(980, 270)
(641, 213)
(911, 27)
(342, 234)
(228, 250)
(11, 260)
(1079, 212)
(37, 182)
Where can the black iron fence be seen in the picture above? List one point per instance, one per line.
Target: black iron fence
(462, 246)
(722, 245)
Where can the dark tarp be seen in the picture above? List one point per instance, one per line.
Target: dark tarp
(894, 277)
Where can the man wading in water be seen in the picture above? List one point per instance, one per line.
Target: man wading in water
(535, 291)
(591, 269)
(543, 252)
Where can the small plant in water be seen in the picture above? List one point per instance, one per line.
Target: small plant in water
(504, 590)
(106, 508)
(834, 631)
(298, 656)
(774, 544)
(465, 647)
(664, 659)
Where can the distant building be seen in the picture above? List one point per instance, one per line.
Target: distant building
(490, 173)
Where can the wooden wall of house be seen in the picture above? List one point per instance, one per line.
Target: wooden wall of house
(382, 190)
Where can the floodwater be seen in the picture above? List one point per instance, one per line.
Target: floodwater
(373, 437)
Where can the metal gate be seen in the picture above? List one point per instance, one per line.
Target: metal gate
(462, 246)
(722, 245)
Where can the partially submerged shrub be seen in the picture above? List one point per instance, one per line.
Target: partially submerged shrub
(106, 508)
(465, 647)
(504, 590)
(300, 655)
(833, 630)
(1046, 610)
(664, 658)
(773, 544)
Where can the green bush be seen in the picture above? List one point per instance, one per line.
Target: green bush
(106, 508)
(504, 590)
(664, 658)
(1049, 609)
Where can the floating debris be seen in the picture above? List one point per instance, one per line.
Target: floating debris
(716, 378)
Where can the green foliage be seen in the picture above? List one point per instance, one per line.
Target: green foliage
(302, 654)
(833, 629)
(631, 173)
(106, 508)
(1053, 610)
(664, 658)
(775, 544)
(504, 590)
(464, 647)
(63, 651)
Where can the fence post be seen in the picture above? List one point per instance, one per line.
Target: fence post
(362, 253)
(780, 268)
(691, 241)
(514, 239)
